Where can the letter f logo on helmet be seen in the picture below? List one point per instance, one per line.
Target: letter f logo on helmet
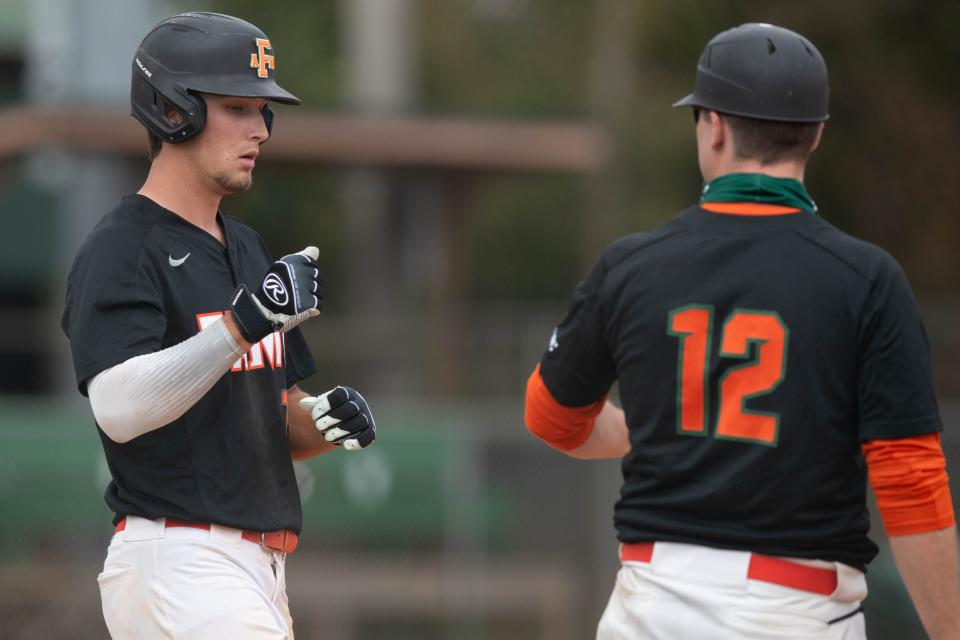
(260, 60)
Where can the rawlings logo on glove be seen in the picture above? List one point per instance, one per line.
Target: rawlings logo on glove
(274, 290)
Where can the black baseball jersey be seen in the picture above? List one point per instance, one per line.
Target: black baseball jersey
(144, 280)
(754, 354)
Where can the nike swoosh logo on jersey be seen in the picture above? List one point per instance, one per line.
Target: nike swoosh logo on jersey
(177, 262)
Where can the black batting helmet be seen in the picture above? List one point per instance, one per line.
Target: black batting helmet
(195, 53)
(761, 71)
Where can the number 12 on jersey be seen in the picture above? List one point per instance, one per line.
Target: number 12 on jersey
(693, 325)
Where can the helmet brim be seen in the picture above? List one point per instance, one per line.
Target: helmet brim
(686, 101)
(230, 85)
(278, 95)
(691, 101)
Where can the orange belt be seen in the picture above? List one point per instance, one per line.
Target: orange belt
(763, 568)
(283, 540)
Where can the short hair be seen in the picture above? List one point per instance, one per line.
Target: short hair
(155, 144)
(769, 141)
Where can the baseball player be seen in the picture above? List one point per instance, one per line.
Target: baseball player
(184, 336)
(768, 364)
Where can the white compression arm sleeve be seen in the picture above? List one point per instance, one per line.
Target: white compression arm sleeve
(149, 391)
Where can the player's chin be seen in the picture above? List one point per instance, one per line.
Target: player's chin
(236, 182)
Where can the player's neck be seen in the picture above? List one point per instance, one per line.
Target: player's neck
(177, 188)
(791, 169)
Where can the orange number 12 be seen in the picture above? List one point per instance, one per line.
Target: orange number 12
(744, 327)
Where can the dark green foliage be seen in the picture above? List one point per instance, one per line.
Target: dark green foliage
(525, 240)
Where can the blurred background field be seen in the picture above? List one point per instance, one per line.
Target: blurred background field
(460, 163)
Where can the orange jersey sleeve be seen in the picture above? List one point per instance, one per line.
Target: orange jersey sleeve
(564, 428)
(909, 480)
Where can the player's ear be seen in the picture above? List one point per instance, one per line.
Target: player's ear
(816, 139)
(720, 133)
(172, 115)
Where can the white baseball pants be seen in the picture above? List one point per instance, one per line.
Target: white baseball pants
(690, 592)
(182, 582)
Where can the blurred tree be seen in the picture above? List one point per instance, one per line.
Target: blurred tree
(509, 58)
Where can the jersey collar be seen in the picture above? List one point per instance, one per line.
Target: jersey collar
(755, 194)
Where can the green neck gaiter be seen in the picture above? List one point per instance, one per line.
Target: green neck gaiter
(757, 187)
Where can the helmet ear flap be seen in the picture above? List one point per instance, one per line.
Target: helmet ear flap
(197, 116)
(268, 119)
(149, 106)
(193, 116)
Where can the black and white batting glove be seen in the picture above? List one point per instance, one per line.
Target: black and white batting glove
(289, 294)
(344, 418)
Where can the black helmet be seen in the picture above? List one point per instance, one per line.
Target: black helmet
(761, 71)
(195, 53)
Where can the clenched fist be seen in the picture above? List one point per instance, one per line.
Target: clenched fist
(343, 416)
